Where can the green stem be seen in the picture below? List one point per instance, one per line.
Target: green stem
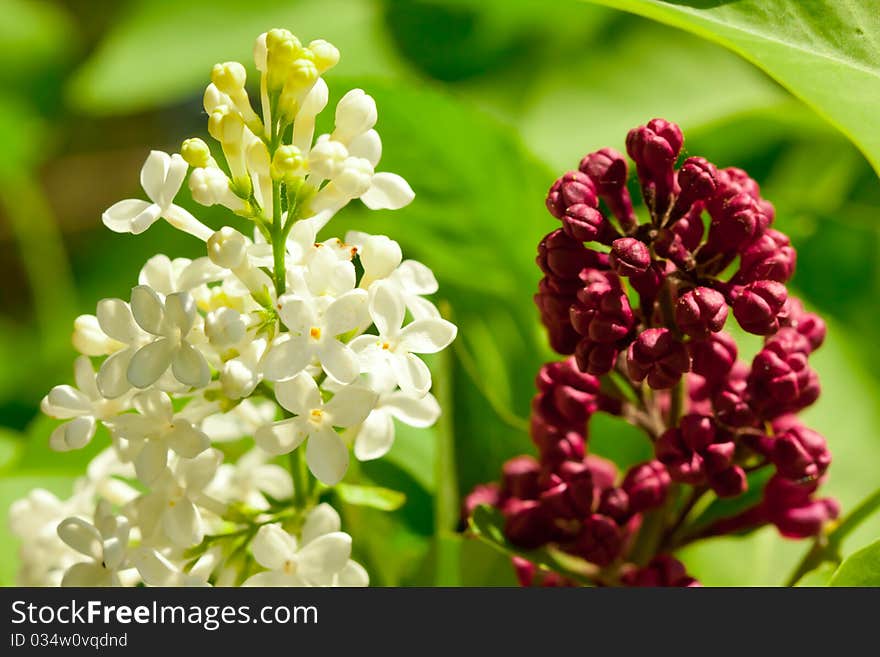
(301, 479)
(827, 546)
(279, 246)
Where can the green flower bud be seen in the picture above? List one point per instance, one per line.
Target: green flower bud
(288, 162)
(196, 153)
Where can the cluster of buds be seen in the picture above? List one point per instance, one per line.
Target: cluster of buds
(235, 386)
(638, 308)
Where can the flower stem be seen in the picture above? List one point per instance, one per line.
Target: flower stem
(279, 245)
(301, 479)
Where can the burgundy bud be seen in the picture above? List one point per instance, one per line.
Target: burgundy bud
(696, 451)
(790, 506)
(527, 523)
(654, 148)
(696, 181)
(736, 220)
(701, 311)
(488, 494)
(602, 313)
(604, 471)
(769, 257)
(757, 306)
(657, 356)
(595, 357)
(729, 482)
(520, 477)
(562, 256)
(567, 397)
(662, 570)
(781, 381)
(584, 223)
(614, 502)
(798, 452)
(608, 170)
(599, 541)
(730, 400)
(646, 485)
(713, 357)
(573, 188)
(807, 324)
(668, 131)
(629, 256)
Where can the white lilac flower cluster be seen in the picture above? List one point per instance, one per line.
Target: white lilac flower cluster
(303, 348)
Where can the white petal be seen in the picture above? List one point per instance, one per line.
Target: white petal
(346, 313)
(89, 339)
(180, 311)
(411, 409)
(82, 537)
(85, 574)
(150, 462)
(84, 375)
(413, 376)
(65, 402)
(190, 367)
(154, 569)
(158, 273)
(120, 216)
(416, 278)
(149, 363)
(298, 395)
(147, 309)
(421, 308)
(388, 191)
(272, 546)
(286, 359)
(351, 405)
(296, 313)
(355, 114)
(182, 524)
(153, 174)
(73, 435)
(274, 578)
(154, 405)
(326, 554)
(281, 437)
(177, 169)
(427, 336)
(339, 361)
(115, 319)
(375, 437)
(186, 440)
(368, 146)
(353, 574)
(327, 456)
(198, 472)
(387, 310)
(323, 519)
(274, 480)
(112, 377)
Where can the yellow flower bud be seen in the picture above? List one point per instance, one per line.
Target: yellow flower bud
(229, 77)
(196, 153)
(326, 55)
(288, 162)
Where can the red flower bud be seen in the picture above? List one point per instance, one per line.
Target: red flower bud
(713, 357)
(757, 306)
(646, 485)
(798, 452)
(807, 324)
(769, 257)
(573, 188)
(527, 523)
(700, 311)
(599, 541)
(488, 494)
(662, 570)
(657, 356)
(608, 170)
(629, 256)
(696, 181)
(520, 477)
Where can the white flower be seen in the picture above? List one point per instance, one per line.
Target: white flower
(89, 340)
(157, 570)
(171, 510)
(84, 406)
(105, 543)
(167, 276)
(249, 478)
(376, 435)
(326, 452)
(170, 322)
(396, 345)
(155, 430)
(322, 559)
(314, 335)
(161, 177)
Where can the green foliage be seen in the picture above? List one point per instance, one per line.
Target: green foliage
(374, 497)
(824, 52)
(862, 568)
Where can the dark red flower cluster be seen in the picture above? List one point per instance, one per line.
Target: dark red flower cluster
(644, 305)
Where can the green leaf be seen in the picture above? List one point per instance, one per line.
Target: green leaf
(162, 52)
(824, 51)
(862, 568)
(372, 496)
(11, 447)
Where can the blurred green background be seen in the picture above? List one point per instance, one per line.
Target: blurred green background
(482, 103)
